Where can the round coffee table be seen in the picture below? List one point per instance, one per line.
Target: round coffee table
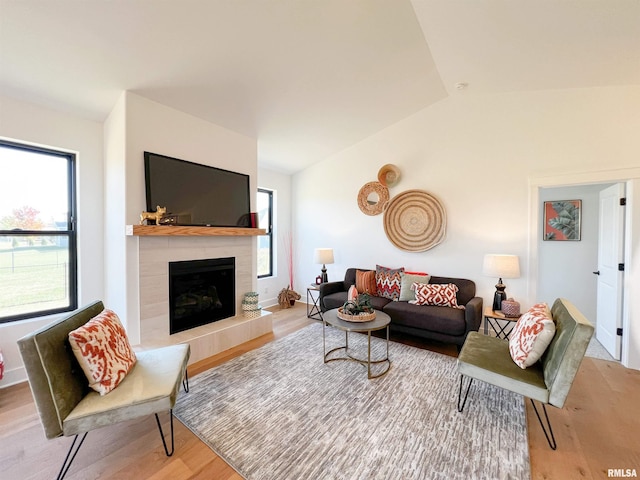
(381, 321)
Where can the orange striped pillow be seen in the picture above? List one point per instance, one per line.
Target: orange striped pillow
(366, 282)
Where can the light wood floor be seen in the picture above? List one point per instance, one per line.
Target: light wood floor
(598, 429)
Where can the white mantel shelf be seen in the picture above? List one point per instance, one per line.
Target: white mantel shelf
(164, 230)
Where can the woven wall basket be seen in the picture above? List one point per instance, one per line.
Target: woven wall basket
(377, 207)
(415, 221)
(389, 175)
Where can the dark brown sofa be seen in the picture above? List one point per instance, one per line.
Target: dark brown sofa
(444, 324)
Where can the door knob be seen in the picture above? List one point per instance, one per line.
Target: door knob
(597, 273)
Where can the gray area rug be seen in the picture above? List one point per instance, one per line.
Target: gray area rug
(279, 412)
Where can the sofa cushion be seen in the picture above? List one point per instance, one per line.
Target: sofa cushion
(103, 351)
(388, 282)
(334, 300)
(380, 302)
(450, 321)
(366, 282)
(407, 279)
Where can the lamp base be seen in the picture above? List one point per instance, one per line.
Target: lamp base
(325, 277)
(499, 296)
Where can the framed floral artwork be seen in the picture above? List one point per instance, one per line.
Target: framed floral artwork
(562, 220)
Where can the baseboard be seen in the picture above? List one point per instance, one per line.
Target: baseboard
(269, 302)
(13, 377)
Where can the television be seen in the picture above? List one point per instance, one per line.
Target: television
(195, 194)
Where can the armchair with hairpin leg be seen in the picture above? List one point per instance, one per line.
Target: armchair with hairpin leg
(68, 407)
(548, 380)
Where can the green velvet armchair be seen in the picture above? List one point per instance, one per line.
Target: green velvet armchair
(548, 381)
(68, 407)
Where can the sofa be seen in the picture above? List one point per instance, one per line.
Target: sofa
(440, 323)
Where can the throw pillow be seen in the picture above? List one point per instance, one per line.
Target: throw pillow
(103, 351)
(532, 335)
(388, 282)
(406, 280)
(366, 282)
(437, 294)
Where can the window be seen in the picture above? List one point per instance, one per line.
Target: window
(37, 232)
(265, 242)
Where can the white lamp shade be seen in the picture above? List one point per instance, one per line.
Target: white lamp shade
(323, 255)
(502, 266)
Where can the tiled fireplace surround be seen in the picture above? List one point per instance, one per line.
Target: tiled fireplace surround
(154, 255)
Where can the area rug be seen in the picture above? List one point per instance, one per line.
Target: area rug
(279, 412)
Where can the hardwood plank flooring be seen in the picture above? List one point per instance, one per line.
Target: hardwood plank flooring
(598, 429)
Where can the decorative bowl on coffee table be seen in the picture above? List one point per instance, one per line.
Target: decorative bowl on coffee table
(358, 317)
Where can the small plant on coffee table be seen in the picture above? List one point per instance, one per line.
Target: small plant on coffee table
(360, 305)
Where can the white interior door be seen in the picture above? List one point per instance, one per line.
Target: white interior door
(610, 255)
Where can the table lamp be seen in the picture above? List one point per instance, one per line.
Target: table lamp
(501, 266)
(323, 256)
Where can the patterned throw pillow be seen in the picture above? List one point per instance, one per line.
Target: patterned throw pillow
(388, 282)
(437, 294)
(366, 282)
(408, 279)
(103, 351)
(532, 335)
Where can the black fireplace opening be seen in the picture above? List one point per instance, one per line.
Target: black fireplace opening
(201, 292)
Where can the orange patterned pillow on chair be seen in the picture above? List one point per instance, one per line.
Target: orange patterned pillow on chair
(532, 335)
(103, 351)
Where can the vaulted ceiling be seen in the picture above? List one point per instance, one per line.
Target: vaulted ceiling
(308, 78)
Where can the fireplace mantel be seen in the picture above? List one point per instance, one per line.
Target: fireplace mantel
(163, 230)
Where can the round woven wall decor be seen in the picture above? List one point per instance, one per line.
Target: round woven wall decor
(389, 175)
(415, 221)
(364, 202)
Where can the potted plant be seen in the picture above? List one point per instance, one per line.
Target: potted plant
(357, 310)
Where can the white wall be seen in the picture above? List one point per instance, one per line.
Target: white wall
(114, 201)
(25, 122)
(269, 287)
(477, 154)
(565, 269)
(140, 125)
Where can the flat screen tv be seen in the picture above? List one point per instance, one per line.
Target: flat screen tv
(195, 194)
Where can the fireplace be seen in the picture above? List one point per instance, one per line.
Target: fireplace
(201, 292)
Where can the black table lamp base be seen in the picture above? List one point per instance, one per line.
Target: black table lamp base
(324, 276)
(499, 296)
